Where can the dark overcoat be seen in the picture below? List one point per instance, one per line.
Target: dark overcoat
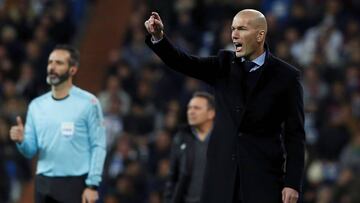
(262, 136)
(181, 166)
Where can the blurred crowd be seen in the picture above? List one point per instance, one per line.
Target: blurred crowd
(144, 102)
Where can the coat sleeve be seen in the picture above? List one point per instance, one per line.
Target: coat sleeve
(202, 68)
(294, 139)
(173, 178)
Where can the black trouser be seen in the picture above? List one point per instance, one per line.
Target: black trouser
(237, 188)
(59, 189)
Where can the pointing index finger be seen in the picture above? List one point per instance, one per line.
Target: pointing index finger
(156, 15)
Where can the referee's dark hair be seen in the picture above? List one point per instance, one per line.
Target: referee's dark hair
(74, 54)
(209, 97)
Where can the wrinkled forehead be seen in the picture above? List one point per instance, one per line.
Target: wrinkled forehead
(59, 55)
(242, 20)
(198, 101)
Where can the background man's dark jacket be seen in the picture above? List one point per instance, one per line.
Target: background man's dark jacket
(182, 160)
(253, 135)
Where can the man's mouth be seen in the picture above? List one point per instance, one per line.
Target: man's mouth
(238, 46)
(52, 75)
(192, 118)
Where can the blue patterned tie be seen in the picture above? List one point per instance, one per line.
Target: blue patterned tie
(248, 65)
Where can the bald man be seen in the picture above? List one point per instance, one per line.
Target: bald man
(256, 151)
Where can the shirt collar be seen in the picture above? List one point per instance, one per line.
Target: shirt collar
(260, 60)
(193, 130)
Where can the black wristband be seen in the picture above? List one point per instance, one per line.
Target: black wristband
(93, 187)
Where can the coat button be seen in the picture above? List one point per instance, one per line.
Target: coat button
(238, 109)
(240, 134)
(233, 157)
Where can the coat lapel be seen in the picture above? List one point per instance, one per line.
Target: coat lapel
(237, 99)
(265, 75)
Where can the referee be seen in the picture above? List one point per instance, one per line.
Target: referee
(64, 127)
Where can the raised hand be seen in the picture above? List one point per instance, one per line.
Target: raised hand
(17, 131)
(155, 26)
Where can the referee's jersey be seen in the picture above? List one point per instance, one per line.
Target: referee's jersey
(68, 134)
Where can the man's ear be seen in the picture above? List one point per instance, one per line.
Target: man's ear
(261, 35)
(211, 114)
(73, 70)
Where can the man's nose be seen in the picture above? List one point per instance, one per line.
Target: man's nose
(51, 67)
(235, 34)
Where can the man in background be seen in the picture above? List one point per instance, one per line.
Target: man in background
(188, 156)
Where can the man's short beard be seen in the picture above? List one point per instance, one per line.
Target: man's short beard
(55, 81)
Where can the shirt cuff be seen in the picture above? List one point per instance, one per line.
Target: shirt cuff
(20, 145)
(154, 41)
(93, 180)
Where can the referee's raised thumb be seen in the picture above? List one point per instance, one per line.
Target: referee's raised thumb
(19, 121)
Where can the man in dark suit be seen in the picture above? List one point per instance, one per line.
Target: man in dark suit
(188, 153)
(256, 151)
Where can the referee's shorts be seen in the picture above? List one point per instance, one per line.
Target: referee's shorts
(67, 189)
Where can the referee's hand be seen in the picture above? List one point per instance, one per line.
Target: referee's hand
(89, 196)
(17, 131)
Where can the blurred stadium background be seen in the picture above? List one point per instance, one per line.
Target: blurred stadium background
(144, 102)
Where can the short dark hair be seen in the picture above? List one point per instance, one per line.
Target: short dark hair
(209, 97)
(74, 53)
